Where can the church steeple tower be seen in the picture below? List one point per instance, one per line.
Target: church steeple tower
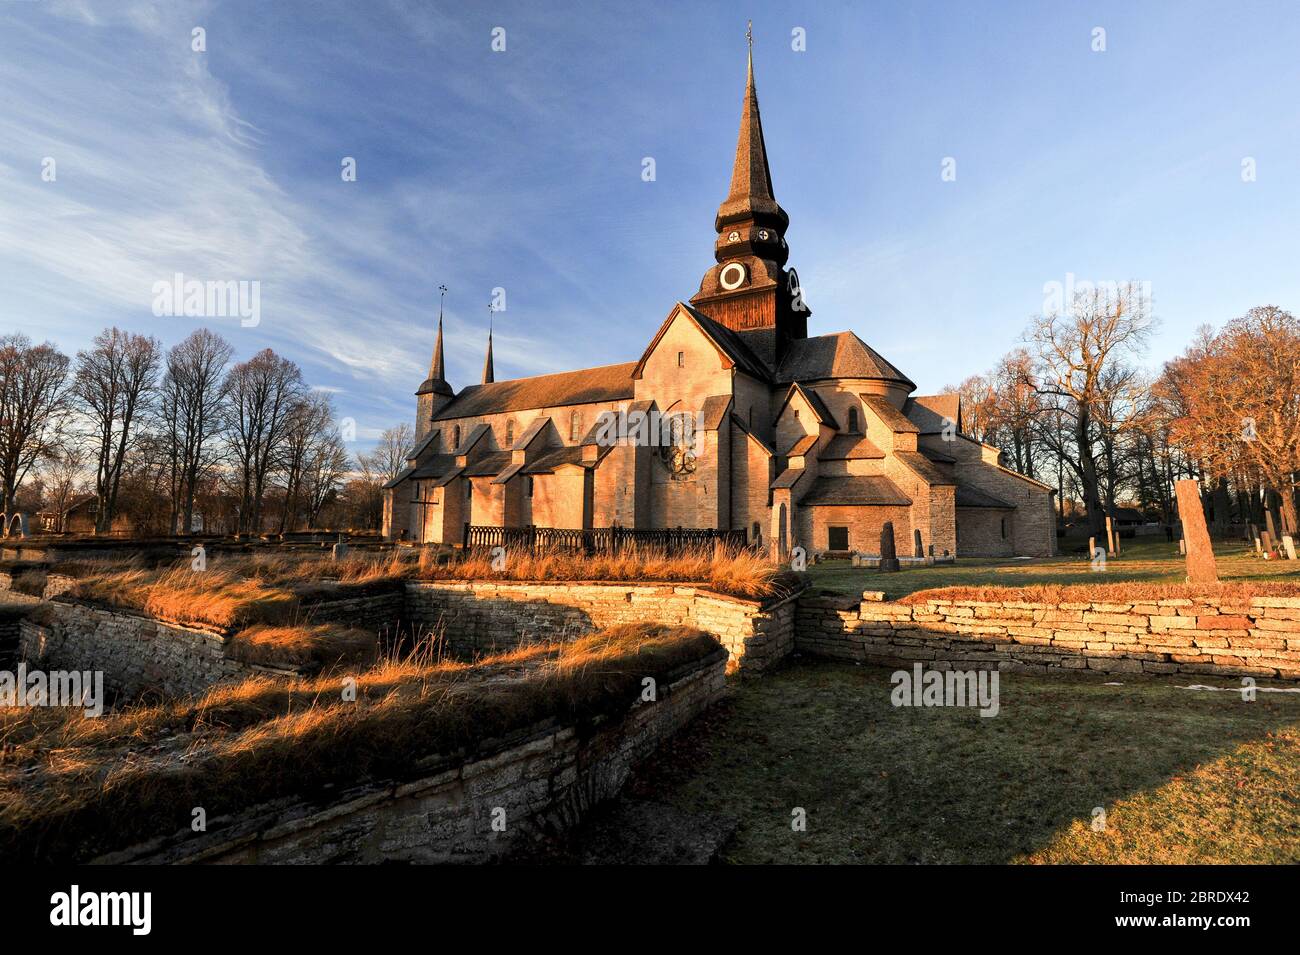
(749, 289)
(434, 392)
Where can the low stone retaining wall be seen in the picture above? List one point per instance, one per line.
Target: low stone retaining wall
(1223, 637)
(485, 616)
(539, 781)
(135, 653)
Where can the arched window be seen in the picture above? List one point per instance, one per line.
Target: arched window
(528, 487)
(757, 534)
(455, 437)
(853, 421)
(510, 433)
(575, 427)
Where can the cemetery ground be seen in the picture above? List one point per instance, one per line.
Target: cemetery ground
(1141, 560)
(1182, 775)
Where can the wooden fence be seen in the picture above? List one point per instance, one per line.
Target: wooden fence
(600, 540)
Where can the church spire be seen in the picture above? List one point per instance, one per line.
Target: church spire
(435, 367)
(436, 383)
(749, 288)
(488, 376)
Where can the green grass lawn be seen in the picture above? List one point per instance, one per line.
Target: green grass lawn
(1146, 560)
(1183, 776)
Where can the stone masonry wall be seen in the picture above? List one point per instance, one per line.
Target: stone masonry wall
(135, 653)
(1258, 636)
(485, 616)
(544, 779)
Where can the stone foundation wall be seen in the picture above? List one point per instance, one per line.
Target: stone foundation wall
(539, 782)
(135, 653)
(485, 616)
(1223, 637)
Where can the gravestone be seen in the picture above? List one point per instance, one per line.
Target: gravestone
(1201, 568)
(1182, 546)
(1252, 532)
(917, 549)
(1258, 549)
(339, 551)
(1272, 527)
(1092, 548)
(1288, 544)
(888, 556)
(1266, 542)
(1110, 537)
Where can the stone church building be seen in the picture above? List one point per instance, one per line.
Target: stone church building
(732, 418)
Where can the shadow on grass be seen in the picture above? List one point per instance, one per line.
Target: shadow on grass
(881, 784)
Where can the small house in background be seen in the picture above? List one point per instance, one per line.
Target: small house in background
(81, 515)
(1130, 522)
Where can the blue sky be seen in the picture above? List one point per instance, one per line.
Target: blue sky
(522, 170)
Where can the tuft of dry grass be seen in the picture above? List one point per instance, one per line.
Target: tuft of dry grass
(74, 788)
(318, 645)
(739, 573)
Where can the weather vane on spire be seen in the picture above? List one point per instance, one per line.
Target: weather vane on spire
(749, 35)
(442, 294)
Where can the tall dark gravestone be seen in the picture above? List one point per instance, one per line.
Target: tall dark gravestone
(888, 556)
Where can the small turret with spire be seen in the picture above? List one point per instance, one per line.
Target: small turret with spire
(749, 289)
(435, 392)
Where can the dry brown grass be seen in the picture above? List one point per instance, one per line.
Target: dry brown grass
(318, 645)
(1120, 592)
(75, 787)
(740, 573)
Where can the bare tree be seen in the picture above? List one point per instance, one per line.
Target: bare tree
(310, 423)
(262, 394)
(114, 382)
(64, 475)
(193, 390)
(1075, 352)
(33, 406)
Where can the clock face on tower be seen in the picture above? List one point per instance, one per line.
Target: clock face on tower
(732, 276)
(734, 237)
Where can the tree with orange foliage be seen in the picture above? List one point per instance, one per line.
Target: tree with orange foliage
(1240, 397)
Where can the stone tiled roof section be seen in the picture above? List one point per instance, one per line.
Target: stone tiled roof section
(531, 432)
(894, 419)
(815, 402)
(490, 465)
(849, 447)
(435, 466)
(475, 435)
(926, 469)
(584, 386)
(553, 458)
(928, 412)
(714, 412)
(802, 446)
(733, 345)
(938, 457)
(788, 478)
(740, 423)
(401, 476)
(968, 496)
(855, 489)
(424, 443)
(508, 473)
(841, 355)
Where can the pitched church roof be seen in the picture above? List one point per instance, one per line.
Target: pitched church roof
(928, 412)
(855, 489)
(839, 355)
(584, 386)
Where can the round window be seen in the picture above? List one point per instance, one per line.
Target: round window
(732, 276)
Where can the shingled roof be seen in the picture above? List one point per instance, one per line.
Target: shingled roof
(928, 412)
(730, 344)
(584, 386)
(854, 489)
(968, 496)
(841, 355)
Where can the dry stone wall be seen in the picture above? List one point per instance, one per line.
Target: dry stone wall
(485, 616)
(1257, 636)
(538, 782)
